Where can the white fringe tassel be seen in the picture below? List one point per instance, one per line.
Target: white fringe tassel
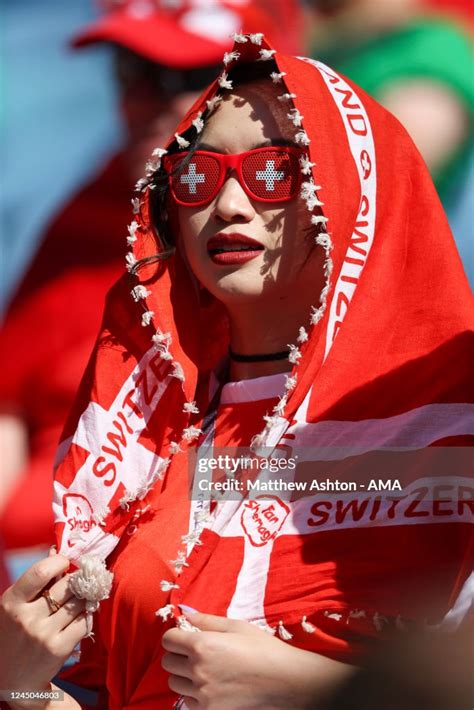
(165, 612)
(307, 626)
(92, 581)
(166, 586)
(283, 633)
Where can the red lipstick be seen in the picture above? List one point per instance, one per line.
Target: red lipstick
(229, 249)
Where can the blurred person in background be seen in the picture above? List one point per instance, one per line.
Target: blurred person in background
(418, 64)
(165, 54)
(420, 671)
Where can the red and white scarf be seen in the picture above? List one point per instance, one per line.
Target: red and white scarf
(383, 361)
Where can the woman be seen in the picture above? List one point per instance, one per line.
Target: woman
(339, 337)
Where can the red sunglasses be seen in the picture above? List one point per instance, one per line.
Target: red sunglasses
(266, 174)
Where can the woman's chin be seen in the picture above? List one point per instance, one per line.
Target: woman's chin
(233, 283)
(231, 290)
(236, 287)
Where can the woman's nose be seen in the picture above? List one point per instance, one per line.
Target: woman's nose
(232, 203)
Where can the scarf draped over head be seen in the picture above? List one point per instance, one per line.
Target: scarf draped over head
(382, 360)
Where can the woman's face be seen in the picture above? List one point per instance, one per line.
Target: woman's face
(285, 257)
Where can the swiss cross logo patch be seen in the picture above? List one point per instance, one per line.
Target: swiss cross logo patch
(366, 164)
(262, 518)
(192, 179)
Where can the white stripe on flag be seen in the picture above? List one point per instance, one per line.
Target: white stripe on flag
(361, 144)
(416, 428)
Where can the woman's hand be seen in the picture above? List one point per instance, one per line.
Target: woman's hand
(35, 640)
(234, 665)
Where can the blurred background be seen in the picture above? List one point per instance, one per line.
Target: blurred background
(58, 121)
(88, 90)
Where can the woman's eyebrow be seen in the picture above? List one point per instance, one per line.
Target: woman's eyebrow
(285, 142)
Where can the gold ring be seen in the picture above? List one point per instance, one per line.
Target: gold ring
(52, 603)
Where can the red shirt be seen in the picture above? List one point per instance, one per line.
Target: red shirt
(125, 657)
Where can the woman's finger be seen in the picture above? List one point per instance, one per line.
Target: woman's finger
(178, 641)
(211, 622)
(182, 686)
(222, 624)
(37, 577)
(53, 550)
(72, 634)
(177, 665)
(66, 614)
(58, 592)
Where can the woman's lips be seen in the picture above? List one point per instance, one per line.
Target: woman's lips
(234, 257)
(228, 249)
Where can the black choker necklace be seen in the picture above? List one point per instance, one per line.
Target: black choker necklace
(266, 357)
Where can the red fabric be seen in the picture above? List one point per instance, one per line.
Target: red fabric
(48, 335)
(388, 364)
(190, 35)
(462, 7)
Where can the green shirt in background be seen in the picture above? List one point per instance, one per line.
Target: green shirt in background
(430, 48)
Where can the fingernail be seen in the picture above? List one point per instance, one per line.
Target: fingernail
(188, 609)
(52, 551)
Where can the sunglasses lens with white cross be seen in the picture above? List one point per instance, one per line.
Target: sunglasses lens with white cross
(266, 174)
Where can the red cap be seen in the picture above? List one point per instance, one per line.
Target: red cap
(182, 34)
